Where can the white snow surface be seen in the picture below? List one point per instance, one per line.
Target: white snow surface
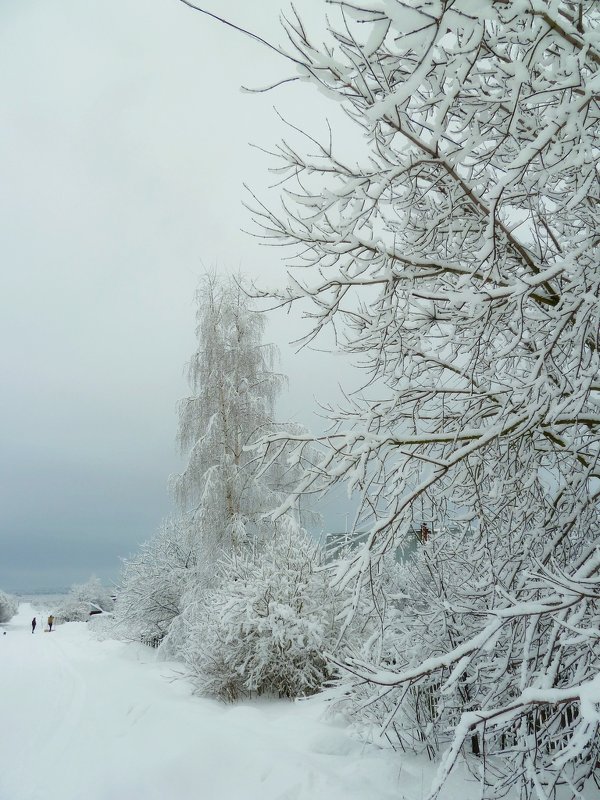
(104, 720)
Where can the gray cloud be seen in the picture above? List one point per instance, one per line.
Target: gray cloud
(123, 150)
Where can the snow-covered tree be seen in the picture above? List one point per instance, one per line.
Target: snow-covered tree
(8, 607)
(234, 387)
(83, 599)
(455, 251)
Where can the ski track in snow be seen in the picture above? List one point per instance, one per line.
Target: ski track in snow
(87, 720)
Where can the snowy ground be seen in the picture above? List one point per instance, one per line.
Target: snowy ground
(81, 718)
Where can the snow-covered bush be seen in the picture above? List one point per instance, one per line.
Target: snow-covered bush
(83, 599)
(8, 607)
(268, 626)
(153, 582)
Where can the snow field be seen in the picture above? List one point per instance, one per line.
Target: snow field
(105, 720)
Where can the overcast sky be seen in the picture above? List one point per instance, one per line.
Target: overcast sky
(124, 144)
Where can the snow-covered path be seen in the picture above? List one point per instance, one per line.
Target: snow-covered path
(81, 718)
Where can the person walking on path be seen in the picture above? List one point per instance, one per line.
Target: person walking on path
(33, 624)
(50, 622)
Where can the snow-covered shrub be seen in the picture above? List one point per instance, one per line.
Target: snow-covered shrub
(83, 599)
(8, 607)
(268, 626)
(153, 582)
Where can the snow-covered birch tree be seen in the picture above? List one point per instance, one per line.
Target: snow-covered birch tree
(455, 252)
(234, 386)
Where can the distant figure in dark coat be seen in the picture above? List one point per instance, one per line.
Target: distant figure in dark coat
(50, 622)
(33, 624)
